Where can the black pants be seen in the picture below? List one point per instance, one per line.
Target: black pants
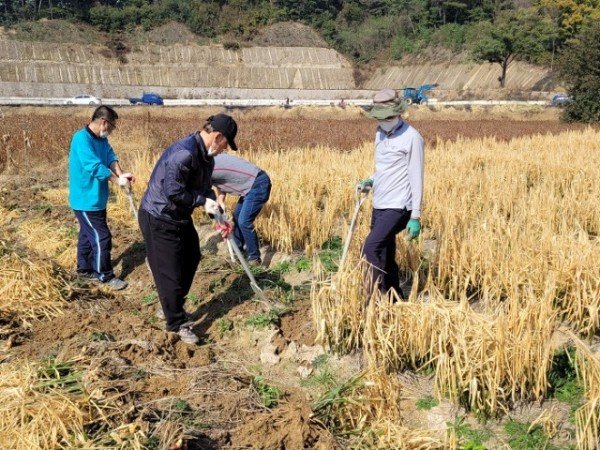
(94, 244)
(173, 254)
(380, 247)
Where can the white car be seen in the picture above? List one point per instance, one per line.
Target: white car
(83, 100)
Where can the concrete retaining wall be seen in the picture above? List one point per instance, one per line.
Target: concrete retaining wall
(461, 77)
(177, 66)
(192, 71)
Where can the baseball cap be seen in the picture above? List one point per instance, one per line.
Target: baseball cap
(225, 125)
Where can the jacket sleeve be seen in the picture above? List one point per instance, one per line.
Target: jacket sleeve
(416, 170)
(90, 161)
(177, 172)
(112, 157)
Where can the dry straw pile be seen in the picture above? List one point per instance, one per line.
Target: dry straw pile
(29, 290)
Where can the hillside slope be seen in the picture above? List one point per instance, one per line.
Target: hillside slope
(186, 68)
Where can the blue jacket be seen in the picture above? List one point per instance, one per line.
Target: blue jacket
(180, 181)
(90, 158)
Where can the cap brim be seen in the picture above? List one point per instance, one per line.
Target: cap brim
(232, 145)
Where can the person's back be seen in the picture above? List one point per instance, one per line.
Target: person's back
(234, 175)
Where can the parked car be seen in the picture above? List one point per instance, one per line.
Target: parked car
(148, 98)
(83, 100)
(561, 100)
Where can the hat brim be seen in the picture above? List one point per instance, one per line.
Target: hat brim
(232, 145)
(381, 112)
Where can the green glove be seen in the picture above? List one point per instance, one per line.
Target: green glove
(413, 228)
(364, 185)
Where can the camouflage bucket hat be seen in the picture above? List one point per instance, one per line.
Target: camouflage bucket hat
(386, 103)
(384, 111)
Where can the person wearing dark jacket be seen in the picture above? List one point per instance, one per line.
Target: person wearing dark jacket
(181, 182)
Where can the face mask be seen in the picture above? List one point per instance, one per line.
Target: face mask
(104, 133)
(389, 124)
(212, 151)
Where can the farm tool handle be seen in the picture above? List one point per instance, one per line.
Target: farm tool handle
(129, 191)
(360, 199)
(220, 219)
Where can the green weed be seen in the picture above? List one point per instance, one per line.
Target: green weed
(181, 405)
(54, 375)
(224, 325)
(282, 267)
(328, 405)
(469, 438)
(521, 438)
(330, 253)
(303, 264)
(323, 379)
(564, 384)
(150, 298)
(262, 320)
(269, 395)
(426, 403)
(193, 299)
(320, 361)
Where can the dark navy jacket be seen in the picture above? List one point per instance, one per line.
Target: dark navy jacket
(180, 181)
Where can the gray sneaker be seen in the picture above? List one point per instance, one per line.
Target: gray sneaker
(116, 284)
(187, 335)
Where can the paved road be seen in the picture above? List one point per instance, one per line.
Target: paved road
(251, 102)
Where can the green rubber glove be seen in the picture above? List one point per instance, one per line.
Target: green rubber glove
(413, 228)
(365, 185)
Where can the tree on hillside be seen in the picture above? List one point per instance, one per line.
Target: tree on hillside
(580, 70)
(523, 34)
(571, 15)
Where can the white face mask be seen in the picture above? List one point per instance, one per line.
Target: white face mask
(389, 124)
(212, 151)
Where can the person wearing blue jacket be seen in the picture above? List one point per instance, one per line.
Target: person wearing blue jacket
(92, 164)
(181, 182)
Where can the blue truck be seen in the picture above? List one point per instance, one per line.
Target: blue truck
(147, 98)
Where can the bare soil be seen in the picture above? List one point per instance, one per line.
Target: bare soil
(122, 347)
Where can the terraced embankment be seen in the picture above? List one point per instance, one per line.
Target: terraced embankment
(41, 69)
(36, 68)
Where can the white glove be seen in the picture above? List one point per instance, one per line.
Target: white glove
(124, 179)
(212, 208)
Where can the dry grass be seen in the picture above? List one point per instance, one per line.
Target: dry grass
(46, 405)
(48, 239)
(30, 290)
(514, 233)
(366, 407)
(588, 415)
(509, 252)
